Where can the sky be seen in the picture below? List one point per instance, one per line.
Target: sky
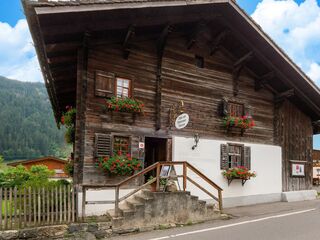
(293, 24)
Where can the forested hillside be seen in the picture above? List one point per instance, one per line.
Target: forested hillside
(27, 128)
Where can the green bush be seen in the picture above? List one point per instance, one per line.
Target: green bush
(37, 176)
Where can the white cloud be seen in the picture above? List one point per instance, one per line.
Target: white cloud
(314, 72)
(296, 28)
(17, 55)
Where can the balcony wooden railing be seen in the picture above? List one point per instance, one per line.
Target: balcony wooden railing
(156, 166)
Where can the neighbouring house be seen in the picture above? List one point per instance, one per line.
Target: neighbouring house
(217, 91)
(55, 164)
(316, 166)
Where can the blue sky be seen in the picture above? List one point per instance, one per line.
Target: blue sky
(293, 24)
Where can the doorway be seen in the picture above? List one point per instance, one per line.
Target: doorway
(156, 150)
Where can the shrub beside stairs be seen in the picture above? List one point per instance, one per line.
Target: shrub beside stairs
(150, 209)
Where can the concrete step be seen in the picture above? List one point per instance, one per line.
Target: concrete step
(127, 212)
(146, 193)
(134, 204)
(195, 198)
(141, 198)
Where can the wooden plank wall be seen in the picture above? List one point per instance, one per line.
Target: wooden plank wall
(201, 89)
(294, 134)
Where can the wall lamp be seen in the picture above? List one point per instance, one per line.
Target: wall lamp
(196, 140)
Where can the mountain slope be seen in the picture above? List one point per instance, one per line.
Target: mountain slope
(27, 128)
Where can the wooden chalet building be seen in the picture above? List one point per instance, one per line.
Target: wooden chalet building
(55, 164)
(206, 58)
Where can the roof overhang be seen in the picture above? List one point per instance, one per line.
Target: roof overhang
(57, 46)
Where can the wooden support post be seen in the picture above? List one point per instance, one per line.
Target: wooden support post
(184, 176)
(83, 202)
(158, 177)
(160, 50)
(117, 201)
(220, 200)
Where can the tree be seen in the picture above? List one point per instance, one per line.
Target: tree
(2, 164)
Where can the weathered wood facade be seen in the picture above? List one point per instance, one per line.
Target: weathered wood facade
(173, 54)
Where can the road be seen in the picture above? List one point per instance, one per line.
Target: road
(281, 221)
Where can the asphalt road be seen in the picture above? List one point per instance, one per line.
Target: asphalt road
(300, 221)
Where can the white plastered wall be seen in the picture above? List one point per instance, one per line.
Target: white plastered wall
(265, 160)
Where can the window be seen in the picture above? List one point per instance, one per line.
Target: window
(121, 144)
(235, 109)
(235, 155)
(123, 88)
(199, 61)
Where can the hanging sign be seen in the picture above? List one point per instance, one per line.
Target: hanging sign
(182, 121)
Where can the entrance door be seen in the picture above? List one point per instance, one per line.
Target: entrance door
(155, 151)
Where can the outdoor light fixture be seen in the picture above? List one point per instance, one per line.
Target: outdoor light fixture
(196, 140)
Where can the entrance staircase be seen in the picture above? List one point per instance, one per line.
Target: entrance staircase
(147, 208)
(143, 207)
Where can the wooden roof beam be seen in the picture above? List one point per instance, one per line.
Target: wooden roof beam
(237, 67)
(275, 68)
(243, 59)
(286, 94)
(218, 40)
(126, 42)
(263, 80)
(194, 36)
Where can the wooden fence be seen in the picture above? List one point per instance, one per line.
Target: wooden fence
(30, 207)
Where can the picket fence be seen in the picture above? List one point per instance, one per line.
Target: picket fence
(32, 207)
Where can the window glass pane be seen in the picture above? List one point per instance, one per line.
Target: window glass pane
(123, 87)
(126, 84)
(235, 109)
(235, 155)
(121, 144)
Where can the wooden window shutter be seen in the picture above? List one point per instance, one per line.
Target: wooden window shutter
(102, 144)
(104, 84)
(246, 157)
(224, 162)
(224, 108)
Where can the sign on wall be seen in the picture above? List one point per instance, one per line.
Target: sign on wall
(297, 170)
(182, 121)
(141, 145)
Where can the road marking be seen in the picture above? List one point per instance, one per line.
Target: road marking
(233, 224)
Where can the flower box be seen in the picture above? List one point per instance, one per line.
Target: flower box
(119, 165)
(241, 173)
(240, 123)
(127, 105)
